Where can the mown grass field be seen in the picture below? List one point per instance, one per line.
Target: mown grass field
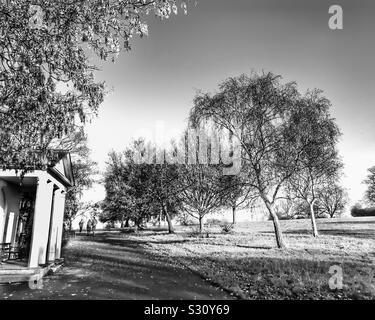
(247, 263)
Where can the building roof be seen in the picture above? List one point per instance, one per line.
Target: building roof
(55, 162)
(62, 169)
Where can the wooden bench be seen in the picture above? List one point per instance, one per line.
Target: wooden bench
(8, 252)
(4, 251)
(14, 253)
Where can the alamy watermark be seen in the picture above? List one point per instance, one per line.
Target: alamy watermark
(196, 146)
(36, 17)
(336, 20)
(335, 282)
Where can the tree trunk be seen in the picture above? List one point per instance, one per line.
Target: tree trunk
(200, 224)
(313, 222)
(138, 223)
(160, 217)
(122, 222)
(276, 225)
(234, 214)
(127, 223)
(169, 220)
(331, 212)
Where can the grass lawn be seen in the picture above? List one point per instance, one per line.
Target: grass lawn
(247, 262)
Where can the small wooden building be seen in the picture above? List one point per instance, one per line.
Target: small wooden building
(32, 213)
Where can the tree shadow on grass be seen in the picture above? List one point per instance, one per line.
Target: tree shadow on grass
(364, 222)
(127, 242)
(285, 278)
(113, 240)
(353, 233)
(357, 234)
(157, 278)
(255, 247)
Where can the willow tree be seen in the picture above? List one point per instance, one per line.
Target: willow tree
(47, 84)
(260, 111)
(319, 163)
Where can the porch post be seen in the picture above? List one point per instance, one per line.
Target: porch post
(52, 228)
(59, 218)
(56, 225)
(2, 212)
(42, 214)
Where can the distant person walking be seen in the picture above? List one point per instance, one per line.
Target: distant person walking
(89, 227)
(81, 223)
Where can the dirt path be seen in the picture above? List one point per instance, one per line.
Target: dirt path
(114, 267)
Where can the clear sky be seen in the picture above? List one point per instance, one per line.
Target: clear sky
(158, 79)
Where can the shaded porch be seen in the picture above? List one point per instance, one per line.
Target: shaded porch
(31, 221)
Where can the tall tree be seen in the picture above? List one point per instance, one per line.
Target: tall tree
(84, 171)
(239, 195)
(370, 181)
(117, 203)
(46, 79)
(319, 163)
(259, 111)
(126, 188)
(333, 199)
(203, 190)
(163, 187)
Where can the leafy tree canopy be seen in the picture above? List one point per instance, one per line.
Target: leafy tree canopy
(47, 83)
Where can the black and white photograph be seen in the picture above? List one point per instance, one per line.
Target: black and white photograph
(201, 151)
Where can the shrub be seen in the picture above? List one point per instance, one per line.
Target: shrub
(227, 227)
(195, 233)
(214, 221)
(359, 212)
(108, 226)
(184, 219)
(128, 230)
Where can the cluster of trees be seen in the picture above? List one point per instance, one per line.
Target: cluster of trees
(141, 192)
(288, 151)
